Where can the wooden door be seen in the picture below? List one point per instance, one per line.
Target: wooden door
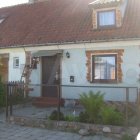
(4, 69)
(50, 75)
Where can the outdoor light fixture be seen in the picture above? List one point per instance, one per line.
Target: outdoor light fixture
(67, 54)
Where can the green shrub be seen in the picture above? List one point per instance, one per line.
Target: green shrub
(127, 137)
(2, 94)
(83, 117)
(92, 103)
(71, 118)
(54, 115)
(18, 96)
(111, 116)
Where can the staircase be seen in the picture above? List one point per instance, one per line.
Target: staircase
(47, 102)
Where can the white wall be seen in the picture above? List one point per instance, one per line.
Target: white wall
(36, 81)
(76, 66)
(15, 73)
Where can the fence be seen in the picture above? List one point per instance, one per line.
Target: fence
(14, 89)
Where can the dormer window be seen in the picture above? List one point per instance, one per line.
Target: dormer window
(1, 20)
(106, 18)
(108, 13)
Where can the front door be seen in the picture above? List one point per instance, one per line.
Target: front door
(50, 75)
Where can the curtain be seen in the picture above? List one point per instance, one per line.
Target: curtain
(106, 18)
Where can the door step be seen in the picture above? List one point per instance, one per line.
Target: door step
(47, 102)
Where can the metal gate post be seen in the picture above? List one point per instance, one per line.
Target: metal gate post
(127, 100)
(58, 107)
(6, 92)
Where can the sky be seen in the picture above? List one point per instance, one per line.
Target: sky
(4, 3)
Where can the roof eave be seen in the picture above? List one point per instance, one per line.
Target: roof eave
(67, 43)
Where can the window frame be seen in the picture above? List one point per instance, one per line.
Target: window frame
(106, 26)
(14, 62)
(93, 69)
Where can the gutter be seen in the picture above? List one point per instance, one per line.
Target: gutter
(67, 43)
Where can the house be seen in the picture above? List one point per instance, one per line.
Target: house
(75, 43)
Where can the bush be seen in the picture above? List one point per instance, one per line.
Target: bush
(92, 102)
(111, 116)
(83, 117)
(71, 118)
(2, 94)
(54, 115)
(18, 98)
(96, 111)
(127, 137)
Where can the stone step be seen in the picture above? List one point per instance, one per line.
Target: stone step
(47, 102)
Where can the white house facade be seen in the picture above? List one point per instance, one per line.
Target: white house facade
(93, 48)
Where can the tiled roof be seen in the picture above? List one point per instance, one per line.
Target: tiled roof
(58, 21)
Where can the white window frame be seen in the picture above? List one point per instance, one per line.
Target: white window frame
(106, 18)
(93, 69)
(16, 62)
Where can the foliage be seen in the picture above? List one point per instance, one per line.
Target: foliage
(71, 118)
(54, 115)
(83, 117)
(96, 111)
(92, 103)
(127, 137)
(18, 97)
(2, 94)
(111, 116)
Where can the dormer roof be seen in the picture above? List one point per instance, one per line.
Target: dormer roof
(105, 3)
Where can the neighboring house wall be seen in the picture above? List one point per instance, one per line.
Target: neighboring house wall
(76, 66)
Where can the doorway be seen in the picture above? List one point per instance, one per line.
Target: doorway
(50, 75)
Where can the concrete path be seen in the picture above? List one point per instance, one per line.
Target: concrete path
(15, 132)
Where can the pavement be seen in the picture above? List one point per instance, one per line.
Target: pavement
(16, 132)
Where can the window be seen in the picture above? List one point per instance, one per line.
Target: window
(106, 18)
(104, 68)
(16, 62)
(1, 20)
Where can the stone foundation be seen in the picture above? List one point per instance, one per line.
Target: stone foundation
(116, 131)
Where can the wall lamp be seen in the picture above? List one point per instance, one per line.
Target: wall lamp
(67, 54)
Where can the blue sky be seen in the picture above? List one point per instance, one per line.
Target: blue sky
(4, 3)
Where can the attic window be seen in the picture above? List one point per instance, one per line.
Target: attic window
(1, 20)
(106, 18)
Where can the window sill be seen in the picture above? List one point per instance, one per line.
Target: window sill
(105, 81)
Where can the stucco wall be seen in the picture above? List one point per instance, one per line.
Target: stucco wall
(76, 66)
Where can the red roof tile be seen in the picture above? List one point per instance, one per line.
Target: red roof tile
(58, 21)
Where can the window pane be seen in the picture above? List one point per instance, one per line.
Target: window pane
(106, 18)
(104, 67)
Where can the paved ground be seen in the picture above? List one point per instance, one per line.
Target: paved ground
(14, 132)
(27, 110)
(41, 113)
